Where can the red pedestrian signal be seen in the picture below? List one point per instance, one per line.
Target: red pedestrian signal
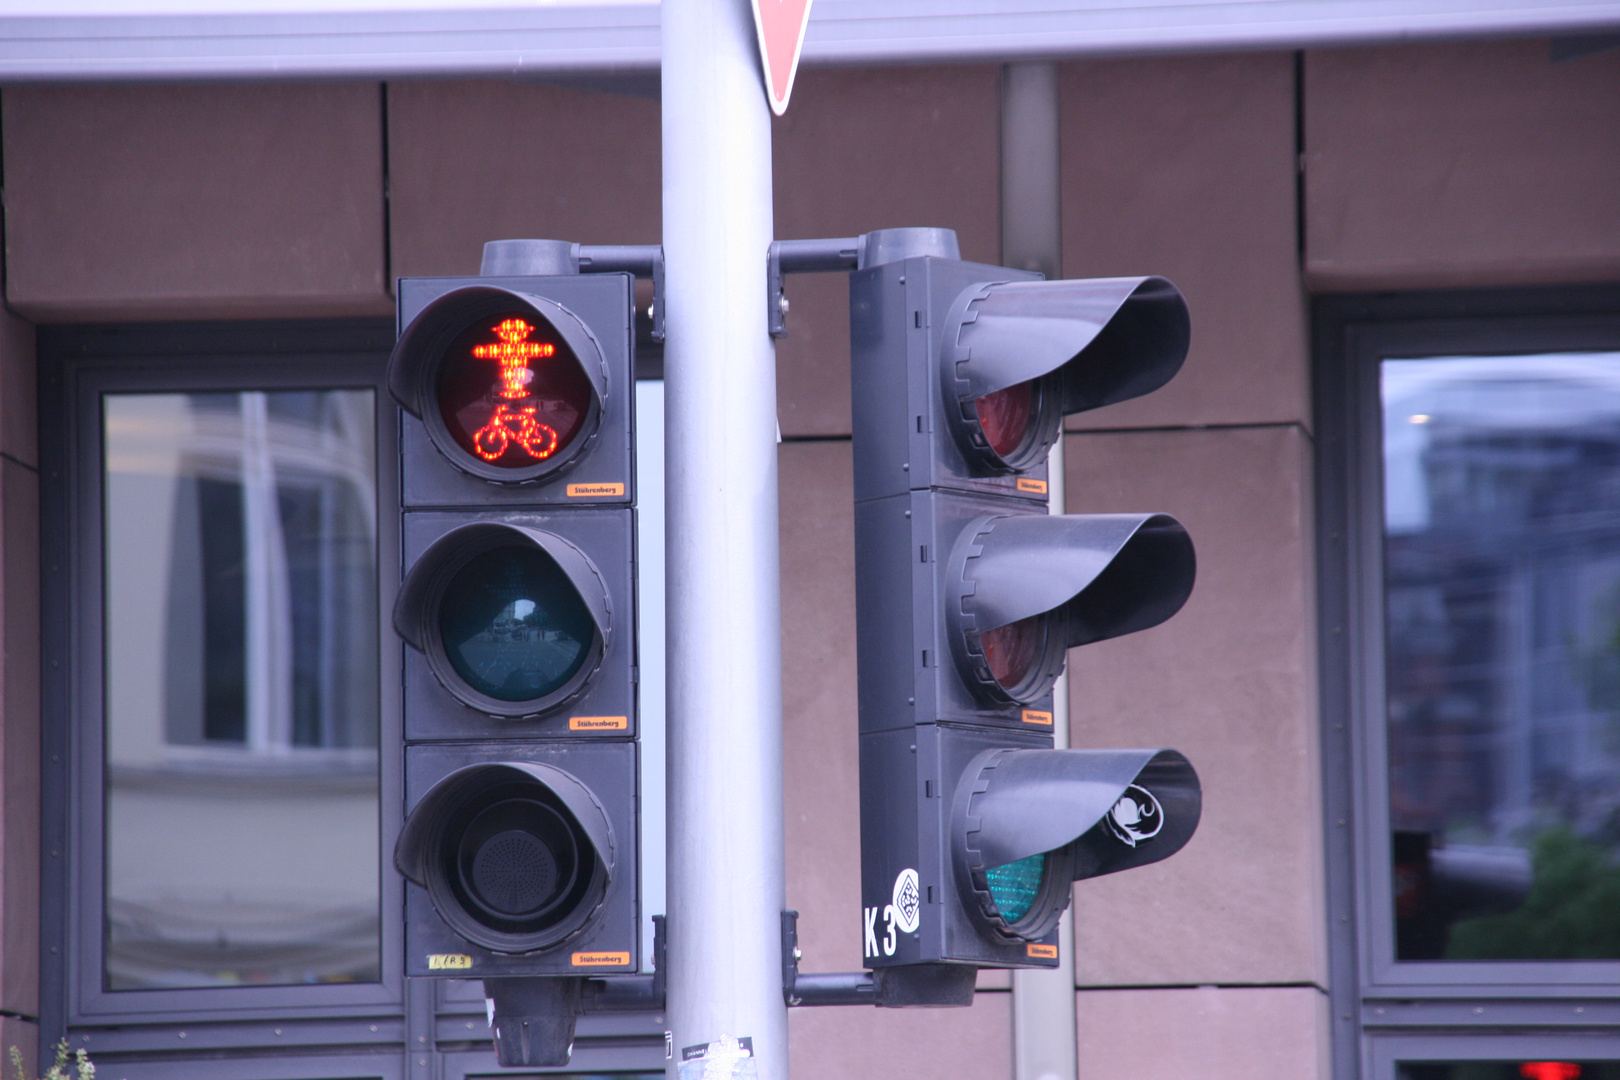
(1549, 1070)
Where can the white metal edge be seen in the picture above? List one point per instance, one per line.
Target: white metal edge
(595, 37)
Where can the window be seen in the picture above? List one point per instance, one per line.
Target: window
(220, 529)
(241, 767)
(1469, 529)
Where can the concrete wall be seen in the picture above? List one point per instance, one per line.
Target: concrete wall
(1461, 164)
(1184, 167)
(147, 202)
(1434, 164)
(19, 687)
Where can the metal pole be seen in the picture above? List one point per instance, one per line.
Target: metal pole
(1044, 1035)
(725, 868)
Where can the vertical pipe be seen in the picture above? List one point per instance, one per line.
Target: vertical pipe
(1044, 1033)
(725, 868)
(1031, 234)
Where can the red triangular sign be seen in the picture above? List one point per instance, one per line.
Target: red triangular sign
(781, 26)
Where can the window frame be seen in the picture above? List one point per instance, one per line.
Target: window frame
(1376, 1001)
(78, 365)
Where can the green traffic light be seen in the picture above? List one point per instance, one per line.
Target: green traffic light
(1015, 885)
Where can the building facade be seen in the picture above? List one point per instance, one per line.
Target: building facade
(198, 302)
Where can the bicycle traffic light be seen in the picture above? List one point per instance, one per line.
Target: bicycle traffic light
(518, 612)
(969, 594)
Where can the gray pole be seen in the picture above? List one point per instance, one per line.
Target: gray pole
(1031, 239)
(725, 870)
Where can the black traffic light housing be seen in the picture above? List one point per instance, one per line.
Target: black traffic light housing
(969, 595)
(517, 612)
(587, 323)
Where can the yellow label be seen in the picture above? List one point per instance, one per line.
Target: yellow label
(601, 959)
(587, 491)
(1042, 952)
(1034, 487)
(449, 961)
(1035, 716)
(604, 723)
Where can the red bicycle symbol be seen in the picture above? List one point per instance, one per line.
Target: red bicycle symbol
(518, 425)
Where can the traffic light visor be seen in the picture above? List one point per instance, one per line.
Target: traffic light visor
(513, 621)
(1029, 587)
(1028, 823)
(509, 385)
(1110, 339)
(515, 856)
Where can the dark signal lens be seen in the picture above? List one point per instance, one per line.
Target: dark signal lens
(520, 864)
(511, 392)
(1005, 417)
(513, 626)
(1012, 651)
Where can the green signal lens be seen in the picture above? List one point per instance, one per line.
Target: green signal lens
(513, 625)
(1015, 885)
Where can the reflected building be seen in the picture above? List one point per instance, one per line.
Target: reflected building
(241, 689)
(1502, 602)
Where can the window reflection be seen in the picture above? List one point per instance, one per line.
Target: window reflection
(1502, 602)
(241, 689)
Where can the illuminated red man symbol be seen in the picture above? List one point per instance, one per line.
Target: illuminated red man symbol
(1549, 1070)
(514, 423)
(514, 352)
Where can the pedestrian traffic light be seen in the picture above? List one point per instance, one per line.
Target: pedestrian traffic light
(969, 594)
(517, 611)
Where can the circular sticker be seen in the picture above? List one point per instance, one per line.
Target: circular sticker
(1137, 816)
(907, 902)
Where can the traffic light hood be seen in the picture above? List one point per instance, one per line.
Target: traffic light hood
(1109, 339)
(1110, 574)
(430, 852)
(1090, 812)
(435, 341)
(1011, 804)
(420, 348)
(428, 585)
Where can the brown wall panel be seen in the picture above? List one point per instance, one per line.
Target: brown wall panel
(859, 1042)
(1184, 167)
(873, 148)
(1231, 1033)
(19, 398)
(23, 1035)
(494, 160)
(203, 201)
(1482, 163)
(1230, 681)
(820, 748)
(19, 739)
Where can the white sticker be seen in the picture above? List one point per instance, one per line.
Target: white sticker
(907, 906)
(1137, 816)
(903, 916)
(726, 1058)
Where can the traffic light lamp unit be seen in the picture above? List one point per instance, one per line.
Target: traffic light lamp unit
(969, 594)
(518, 608)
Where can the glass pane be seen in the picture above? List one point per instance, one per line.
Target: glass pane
(1507, 1070)
(241, 689)
(1502, 601)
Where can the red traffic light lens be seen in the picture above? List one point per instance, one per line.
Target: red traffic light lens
(1006, 416)
(1013, 651)
(511, 392)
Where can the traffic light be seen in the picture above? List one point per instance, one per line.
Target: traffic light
(969, 594)
(517, 611)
